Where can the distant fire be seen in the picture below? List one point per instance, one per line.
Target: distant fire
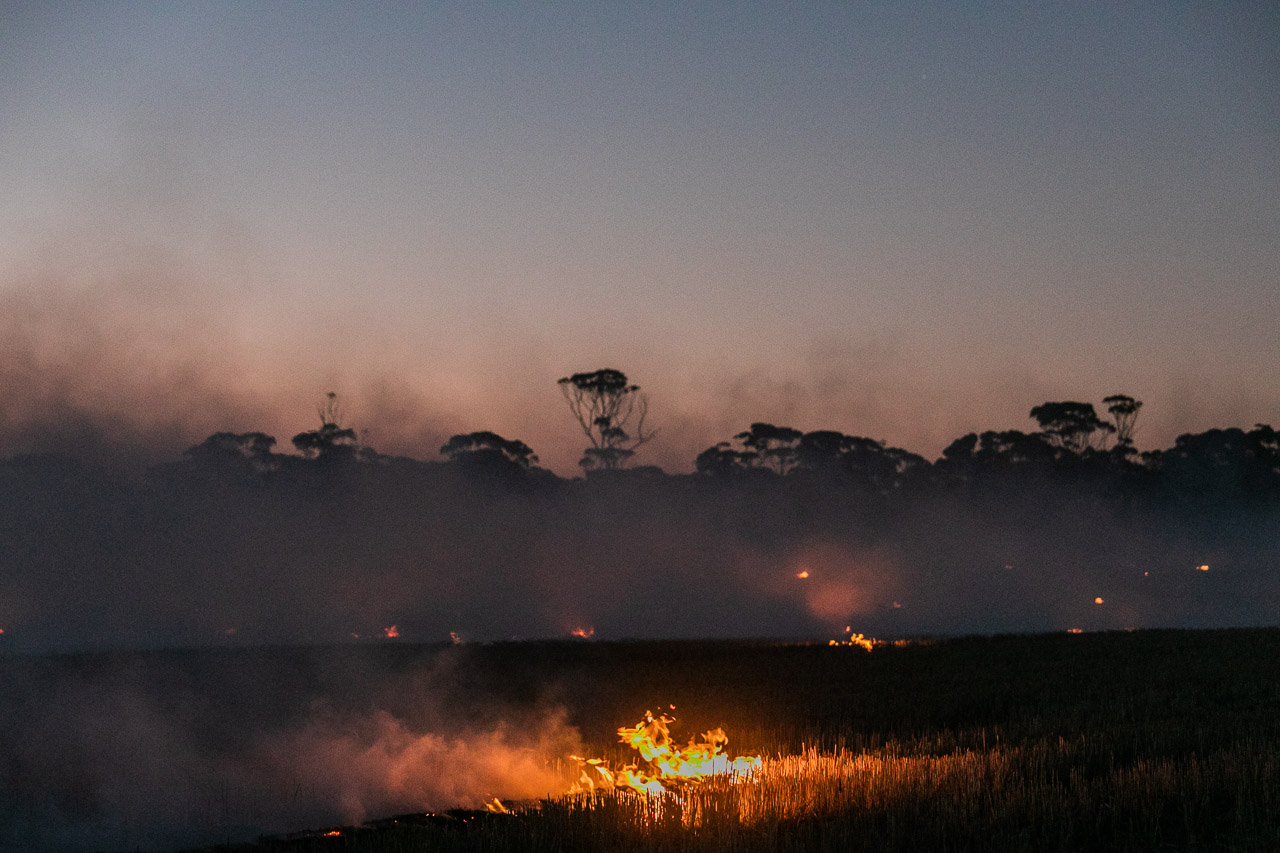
(391, 632)
(230, 632)
(584, 633)
(1098, 600)
(802, 575)
(1203, 568)
(855, 639)
(455, 638)
(1075, 630)
(667, 764)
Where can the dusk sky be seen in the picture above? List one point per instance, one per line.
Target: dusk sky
(905, 221)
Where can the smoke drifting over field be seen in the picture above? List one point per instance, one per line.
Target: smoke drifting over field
(154, 752)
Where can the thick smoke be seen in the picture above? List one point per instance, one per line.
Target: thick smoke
(155, 752)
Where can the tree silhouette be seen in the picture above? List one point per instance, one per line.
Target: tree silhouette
(606, 406)
(331, 442)
(1072, 426)
(1124, 416)
(770, 446)
(489, 450)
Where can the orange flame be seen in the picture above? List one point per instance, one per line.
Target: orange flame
(855, 639)
(585, 633)
(802, 575)
(391, 632)
(1098, 600)
(1203, 568)
(702, 758)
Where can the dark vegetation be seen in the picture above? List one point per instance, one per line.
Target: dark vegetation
(238, 542)
(1153, 740)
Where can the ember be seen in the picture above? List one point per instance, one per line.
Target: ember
(391, 632)
(855, 639)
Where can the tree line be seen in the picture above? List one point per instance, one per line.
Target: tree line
(1073, 444)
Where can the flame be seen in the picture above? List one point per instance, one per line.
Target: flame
(802, 575)
(455, 637)
(391, 632)
(332, 833)
(855, 639)
(1098, 600)
(702, 758)
(585, 633)
(496, 807)
(1203, 568)
(1075, 630)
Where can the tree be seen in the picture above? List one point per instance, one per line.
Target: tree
(488, 450)
(331, 442)
(1124, 416)
(245, 455)
(770, 446)
(863, 460)
(606, 406)
(1072, 426)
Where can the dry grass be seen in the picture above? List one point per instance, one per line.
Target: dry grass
(1169, 741)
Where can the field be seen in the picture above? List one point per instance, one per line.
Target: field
(1149, 740)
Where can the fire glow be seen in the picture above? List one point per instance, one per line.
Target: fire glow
(668, 765)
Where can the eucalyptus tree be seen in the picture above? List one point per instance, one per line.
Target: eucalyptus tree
(611, 412)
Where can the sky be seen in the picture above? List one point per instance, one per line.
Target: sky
(905, 221)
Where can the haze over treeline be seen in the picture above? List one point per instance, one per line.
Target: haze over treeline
(777, 532)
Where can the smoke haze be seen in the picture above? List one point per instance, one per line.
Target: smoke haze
(159, 751)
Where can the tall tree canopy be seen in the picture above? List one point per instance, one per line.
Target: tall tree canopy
(611, 412)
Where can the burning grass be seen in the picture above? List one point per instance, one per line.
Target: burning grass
(1143, 741)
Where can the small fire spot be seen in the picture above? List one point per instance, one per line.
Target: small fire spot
(354, 635)
(230, 632)
(1098, 600)
(1075, 630)
(391, 633)
(1203, 568)
(803, 575)
(584, 633)
(455, 637)
(897, 605)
